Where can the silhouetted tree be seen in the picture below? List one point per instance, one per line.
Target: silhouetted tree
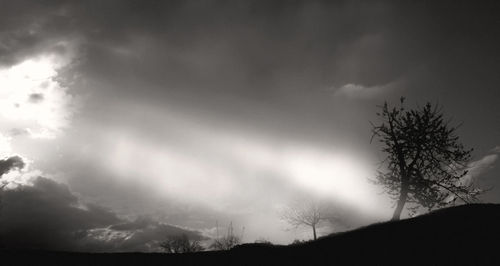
(227, 241)
(426, 162)
(181, 244)
(305, 212)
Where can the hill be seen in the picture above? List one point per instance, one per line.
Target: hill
(464, 235)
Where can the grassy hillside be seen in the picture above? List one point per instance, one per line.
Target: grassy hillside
(467, 235)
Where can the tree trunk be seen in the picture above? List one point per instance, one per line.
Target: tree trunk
(314, 231)
(401, 202)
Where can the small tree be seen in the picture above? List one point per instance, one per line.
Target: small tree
(181, 244)
(425, 161)
(227, 241)
(304, 212)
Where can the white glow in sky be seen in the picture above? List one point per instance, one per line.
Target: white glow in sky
(32, 101)
(340, 176)
(5, 148)
(226, 172)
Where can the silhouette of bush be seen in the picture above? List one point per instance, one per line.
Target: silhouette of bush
(299, 242)
(181, 244)
(263, 241)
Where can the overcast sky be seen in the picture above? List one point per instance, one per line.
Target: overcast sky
(172, 115)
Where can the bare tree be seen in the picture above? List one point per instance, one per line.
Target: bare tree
(425, 161)
(228, 241)
(181, 244)
(305, 212)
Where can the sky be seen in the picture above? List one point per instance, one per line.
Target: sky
(141, 119)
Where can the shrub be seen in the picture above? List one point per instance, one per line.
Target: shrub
(181, 244)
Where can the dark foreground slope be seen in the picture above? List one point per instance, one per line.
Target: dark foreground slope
(465, 235)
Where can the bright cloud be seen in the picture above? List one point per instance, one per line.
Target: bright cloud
(479, 167)
(338, 175)
(358, 91)
(226, 171)
(32, 100)
(5, 148)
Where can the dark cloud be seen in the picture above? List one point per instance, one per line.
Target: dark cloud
(36, 97)
(36, 27)
(252, 49)
(224, 44)
(232, 55)
(255, 48)
(47, 215)
(226, 57)
(144, 234)
(10, 163)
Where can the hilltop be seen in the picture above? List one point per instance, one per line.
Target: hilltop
(466, 234)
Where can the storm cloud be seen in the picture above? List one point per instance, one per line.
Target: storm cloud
(192, 112)
(47, 215)
(7, 164)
